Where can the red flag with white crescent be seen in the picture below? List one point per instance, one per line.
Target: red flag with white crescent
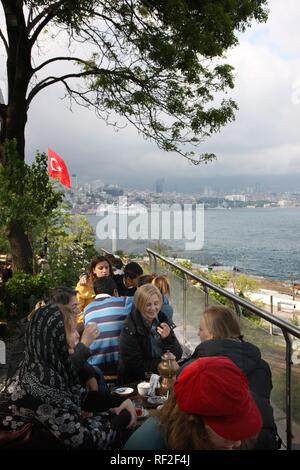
(57, 168)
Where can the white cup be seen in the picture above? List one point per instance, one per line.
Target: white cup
(143, 388)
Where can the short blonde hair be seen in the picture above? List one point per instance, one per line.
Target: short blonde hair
(143, 294)
(222, 322)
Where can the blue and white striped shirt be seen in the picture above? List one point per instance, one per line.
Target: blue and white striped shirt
(109, 313)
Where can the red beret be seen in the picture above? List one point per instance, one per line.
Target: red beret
(216, 389)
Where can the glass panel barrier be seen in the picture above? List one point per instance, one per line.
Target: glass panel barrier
(176, 298)
(296, 395)
(273, 351)
(189, 300)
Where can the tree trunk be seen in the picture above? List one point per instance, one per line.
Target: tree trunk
(14, 117)
(20, 247)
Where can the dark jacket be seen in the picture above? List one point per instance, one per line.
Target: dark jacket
(84, 370)
(18, 345)
(123, 291)
(135, 348)
(248, 358)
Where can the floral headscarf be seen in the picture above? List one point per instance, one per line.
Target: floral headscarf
(46, 388)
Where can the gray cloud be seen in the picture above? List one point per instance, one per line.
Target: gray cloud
(264, 139)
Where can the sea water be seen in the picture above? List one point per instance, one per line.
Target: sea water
(263, 242)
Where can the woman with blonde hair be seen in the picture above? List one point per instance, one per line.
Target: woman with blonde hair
(146, 335)
(220, 335)
(163, 284)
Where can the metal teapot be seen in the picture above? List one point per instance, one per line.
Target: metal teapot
(167, 369)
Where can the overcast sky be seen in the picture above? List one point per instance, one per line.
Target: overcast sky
(263, 140)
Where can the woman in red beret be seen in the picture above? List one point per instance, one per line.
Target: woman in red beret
(221, 335)
(211, 409)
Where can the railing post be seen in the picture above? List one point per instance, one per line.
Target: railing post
(184, 310)
(150, 260)
(271, 310)
(288, 398)
(155, 265)
(238, 309)
(206, 298)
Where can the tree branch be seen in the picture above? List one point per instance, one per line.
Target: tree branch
(54, 59)
(31, 24)
(51, 80)
(48, 14)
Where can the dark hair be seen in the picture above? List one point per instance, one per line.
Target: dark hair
(145, 279)
(61, 295)
(118, 263)
(99, 259)
(104, 285)
(115, 261)
(132, 270)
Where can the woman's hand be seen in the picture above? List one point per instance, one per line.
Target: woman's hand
(83, 280)
(90, 333)
(127, 405)
(163, 330)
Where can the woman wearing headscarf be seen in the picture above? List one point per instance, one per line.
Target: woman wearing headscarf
(46, 390)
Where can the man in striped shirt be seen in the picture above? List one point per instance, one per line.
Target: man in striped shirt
(109, 312)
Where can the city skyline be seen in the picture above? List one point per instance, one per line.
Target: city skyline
(256, 183)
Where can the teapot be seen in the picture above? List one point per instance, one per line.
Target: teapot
(167, 369)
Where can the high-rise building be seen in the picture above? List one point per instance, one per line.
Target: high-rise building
(74, 184)
(159, 185)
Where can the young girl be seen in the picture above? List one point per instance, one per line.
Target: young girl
(99, 267)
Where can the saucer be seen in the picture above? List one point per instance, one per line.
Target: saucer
(123, 391)
(156, 400)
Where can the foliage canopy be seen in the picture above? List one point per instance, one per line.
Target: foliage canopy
(154, 62)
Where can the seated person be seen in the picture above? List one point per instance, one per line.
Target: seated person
(127, 285)
(46, 389)
(61, 295)
(220, 335)
(211, 408)
(146, 336)
(99, 267)
(163, 284)
(109, 312)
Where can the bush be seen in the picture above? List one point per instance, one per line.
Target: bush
(2, 311)
(25, 290)
(67, 262)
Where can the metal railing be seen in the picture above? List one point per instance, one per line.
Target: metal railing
(288, 330)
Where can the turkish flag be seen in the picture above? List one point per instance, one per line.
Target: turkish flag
(57, 168)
